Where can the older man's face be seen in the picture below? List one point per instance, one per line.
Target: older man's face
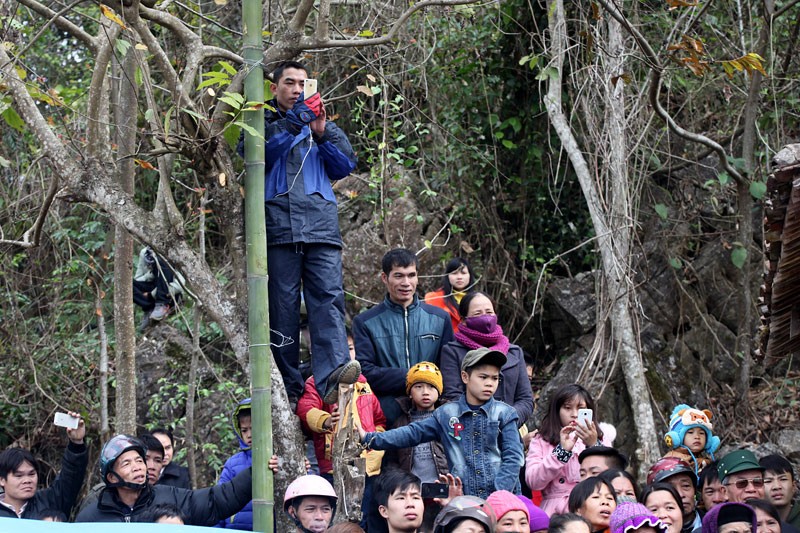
(745, 485)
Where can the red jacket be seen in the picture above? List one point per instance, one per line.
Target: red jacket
(437, 299)
(313, 414)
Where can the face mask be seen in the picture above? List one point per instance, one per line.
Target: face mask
(482, 324)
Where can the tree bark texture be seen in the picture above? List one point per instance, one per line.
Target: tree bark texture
(126, 102)
(611, 211)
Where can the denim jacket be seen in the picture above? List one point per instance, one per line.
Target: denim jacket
(483, 447)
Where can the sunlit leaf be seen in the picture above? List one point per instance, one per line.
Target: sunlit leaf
(366, 33)
(363, 89)
(140, 46)
(675, 4)
(144, 164)
(112, 16)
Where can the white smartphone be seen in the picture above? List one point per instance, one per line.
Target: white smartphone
(584, 417)
(66, 421)
(309, 88)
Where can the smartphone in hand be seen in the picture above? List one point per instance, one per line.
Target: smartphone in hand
(584, 417)
(435, 490)
(66, 421)
(309, 88)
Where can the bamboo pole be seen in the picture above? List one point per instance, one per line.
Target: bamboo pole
(258, 311)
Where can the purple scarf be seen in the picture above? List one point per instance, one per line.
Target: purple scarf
(473, 340)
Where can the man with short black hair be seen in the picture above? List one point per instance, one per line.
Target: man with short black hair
(780, 488)
(597, 459)
(19, 479)
(154, 457)
(304, 152)
(399, 499)
(398, 333)
(172, 473)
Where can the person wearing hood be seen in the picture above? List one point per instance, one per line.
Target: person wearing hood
(128, 496)
(243, 428)
(730, 517)
(479, 328)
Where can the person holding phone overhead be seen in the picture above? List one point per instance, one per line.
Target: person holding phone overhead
(552, 464)
(304, 152)
(19, 476)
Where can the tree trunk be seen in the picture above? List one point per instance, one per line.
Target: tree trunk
(349, 469)
(610, 208)
(123, 251)
(745, 328)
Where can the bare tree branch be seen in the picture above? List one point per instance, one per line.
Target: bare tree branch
(61, 22)
(656, 72)
(399, 23)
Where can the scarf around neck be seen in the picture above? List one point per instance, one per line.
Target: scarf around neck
(475, 339)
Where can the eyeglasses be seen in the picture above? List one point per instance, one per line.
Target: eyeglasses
(742, 483)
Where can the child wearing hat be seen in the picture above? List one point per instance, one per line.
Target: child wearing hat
(689, 437)
(478, 433)
(427, 460)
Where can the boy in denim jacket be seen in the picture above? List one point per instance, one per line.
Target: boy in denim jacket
(479, 433)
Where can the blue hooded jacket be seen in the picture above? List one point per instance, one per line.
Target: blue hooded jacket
(235, 464)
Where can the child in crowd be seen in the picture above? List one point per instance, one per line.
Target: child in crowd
(320, 419)
(241, 421)
(479, 433)
(689, 437)
(712, 491)
(780, 488)
(427, 460)
(552, 464)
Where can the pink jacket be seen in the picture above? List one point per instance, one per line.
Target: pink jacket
(556, 479)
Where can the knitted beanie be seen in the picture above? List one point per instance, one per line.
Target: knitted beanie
(539, 519)
(503, 501)
(630, 516)
(683, 419)
(424, 372)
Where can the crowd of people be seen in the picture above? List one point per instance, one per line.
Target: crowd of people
(440, 401)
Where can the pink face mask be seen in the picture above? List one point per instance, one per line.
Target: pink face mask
(482, 324)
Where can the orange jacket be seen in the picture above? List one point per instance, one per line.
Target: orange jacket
(436, 298)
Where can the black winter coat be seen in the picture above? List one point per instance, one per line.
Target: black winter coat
(175, 476)
(64, 490)
(203, 507)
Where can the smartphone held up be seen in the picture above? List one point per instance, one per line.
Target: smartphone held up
(66, 421)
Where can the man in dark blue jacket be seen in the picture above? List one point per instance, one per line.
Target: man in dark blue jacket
(304, 152)
(398, 333)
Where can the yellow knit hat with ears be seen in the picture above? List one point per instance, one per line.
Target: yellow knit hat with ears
(424, 372)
